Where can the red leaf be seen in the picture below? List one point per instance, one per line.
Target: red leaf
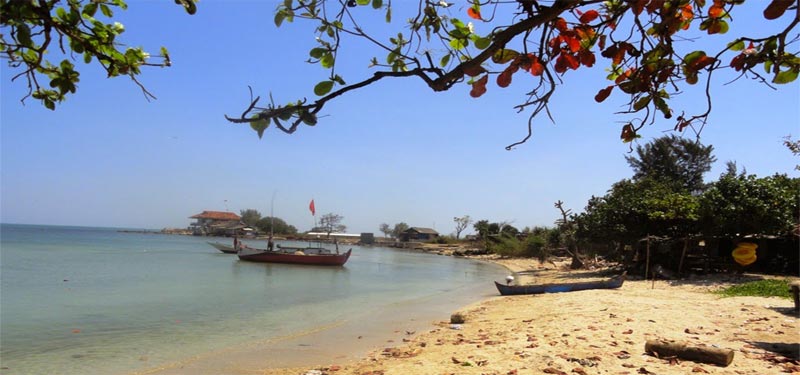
(603, 94)
(589, 16)
(573, 43)
(776, 8)
(537, 68)
(703, 62)
(474, 13)
(561, 64)
(716, 11)
(504, 79)
(587, 58)
(561, 24)
(572, 62)
(479, 87)
(638, 6)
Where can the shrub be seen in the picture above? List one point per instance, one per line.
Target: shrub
(760, 288)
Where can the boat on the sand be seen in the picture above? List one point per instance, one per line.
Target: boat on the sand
(612, 283)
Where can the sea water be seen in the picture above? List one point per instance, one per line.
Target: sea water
(77, 300)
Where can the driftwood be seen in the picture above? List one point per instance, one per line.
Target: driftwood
(665, 348)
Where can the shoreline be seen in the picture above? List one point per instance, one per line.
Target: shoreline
(592, 332)
(588, 332)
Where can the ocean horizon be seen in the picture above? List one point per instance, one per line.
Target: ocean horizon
(90, 300)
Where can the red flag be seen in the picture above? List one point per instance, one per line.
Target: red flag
(311, 207)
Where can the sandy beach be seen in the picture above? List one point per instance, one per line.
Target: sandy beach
(591, 332)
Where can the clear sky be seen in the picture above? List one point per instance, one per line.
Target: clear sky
(393, 152)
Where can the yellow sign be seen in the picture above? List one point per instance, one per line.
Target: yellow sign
(745, 253)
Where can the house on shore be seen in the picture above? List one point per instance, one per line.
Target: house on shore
(418, 234)
(216, 223)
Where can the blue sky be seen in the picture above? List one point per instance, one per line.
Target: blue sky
(392, 152)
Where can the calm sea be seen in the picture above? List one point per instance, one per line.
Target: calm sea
(77, 300)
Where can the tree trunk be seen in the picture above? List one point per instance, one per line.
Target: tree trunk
(665, 348)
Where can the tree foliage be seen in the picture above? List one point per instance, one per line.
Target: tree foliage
(742, 205)
(399, 228)
(642, 44)
(384, 228)
(461, 224)
(275, 225)
(35, 33)
(332, 223)
(673, 160)
(250, 216)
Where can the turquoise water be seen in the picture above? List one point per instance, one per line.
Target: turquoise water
(98, 301)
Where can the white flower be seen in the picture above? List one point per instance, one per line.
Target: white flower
(471, 27)
(118, 27)
(443, 4)
(750, 51)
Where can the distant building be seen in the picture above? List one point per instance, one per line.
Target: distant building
(418, 234)
(216, 223)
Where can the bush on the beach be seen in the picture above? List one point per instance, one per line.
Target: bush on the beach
(457, 318)
(760, 288)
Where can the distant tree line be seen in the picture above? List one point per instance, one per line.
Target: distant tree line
(276, 225)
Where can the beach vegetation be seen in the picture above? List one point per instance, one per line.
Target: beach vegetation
(667, 198)
(759, 288)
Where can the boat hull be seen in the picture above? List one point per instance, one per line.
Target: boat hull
(508, 290)
(266, 256)
(223, 248)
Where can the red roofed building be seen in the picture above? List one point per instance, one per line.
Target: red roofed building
(216, 222)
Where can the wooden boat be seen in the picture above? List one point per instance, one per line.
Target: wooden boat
(227, 249)
(294, 255)
(507, 290)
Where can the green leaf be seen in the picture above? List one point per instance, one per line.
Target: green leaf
(362, 2)
(259, 125)
(90, 9)
(327, 61)
(317, 52)
(388, 15)
(377, 4)
(309, 119)
(786, 76)
(445, 60)
(693, 56)
(482, 43)
(323, 88)
(641, 103)
(279, 17)
(24, 35)
(106, 10)
(338, 79)
(503, 56)
(458, 44)
(736, 45)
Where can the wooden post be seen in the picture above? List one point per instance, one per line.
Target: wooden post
(705, 354)
(683, 255)
(795, 289)
(647, 259)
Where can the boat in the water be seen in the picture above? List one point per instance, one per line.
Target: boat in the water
(227, 249)
(313, 255)
(612, 283)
